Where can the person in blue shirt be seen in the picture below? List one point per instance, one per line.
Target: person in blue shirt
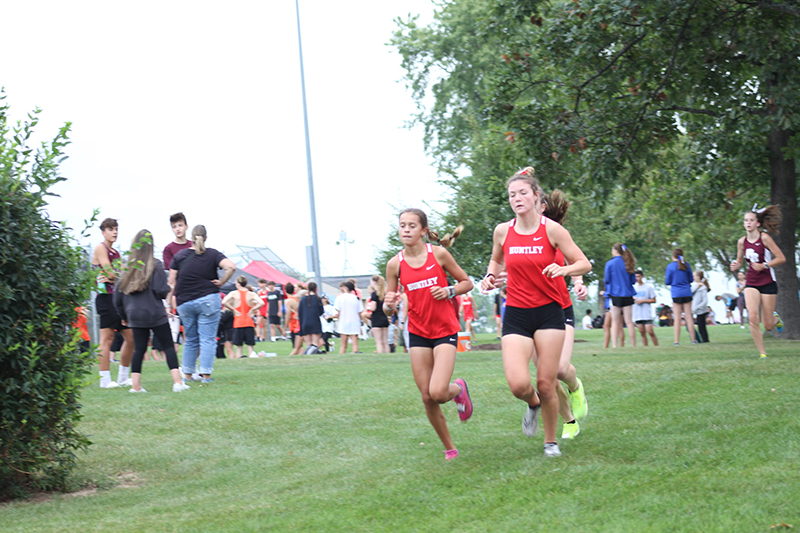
(679, 278)
(619, 280)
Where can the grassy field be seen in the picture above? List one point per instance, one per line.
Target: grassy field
(678, 438)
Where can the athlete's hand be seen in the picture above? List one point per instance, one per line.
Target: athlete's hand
(735, 265)
(758, 267)
(236, 312)
(553, 270)
(581, 291)
(215, 282)
(439, 293)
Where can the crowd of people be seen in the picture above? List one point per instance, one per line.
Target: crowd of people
(418, 307)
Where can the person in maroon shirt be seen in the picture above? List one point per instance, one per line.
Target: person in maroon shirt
(179, 227)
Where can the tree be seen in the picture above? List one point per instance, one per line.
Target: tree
(41, 284)
(613, 97)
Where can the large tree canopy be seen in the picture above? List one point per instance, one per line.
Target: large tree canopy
(663, 121)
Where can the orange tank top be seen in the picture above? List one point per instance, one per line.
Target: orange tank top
(244, 320)
(294, 322)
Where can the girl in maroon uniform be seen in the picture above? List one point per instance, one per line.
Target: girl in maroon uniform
(761, 254)
(534, 316)
(432, 320)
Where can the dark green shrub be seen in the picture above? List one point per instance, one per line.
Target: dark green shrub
(41, 370)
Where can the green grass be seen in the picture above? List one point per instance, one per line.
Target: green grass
(687, 438)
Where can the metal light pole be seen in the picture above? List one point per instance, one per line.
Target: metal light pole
(314, 240)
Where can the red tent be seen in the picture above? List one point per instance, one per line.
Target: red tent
(262, 269)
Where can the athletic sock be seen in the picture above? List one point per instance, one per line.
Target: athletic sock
(573, 421)
(105, 374)
(123, 374)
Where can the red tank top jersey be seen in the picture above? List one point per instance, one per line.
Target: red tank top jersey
(263, 295)
(756, 252)
(294, 322)
(113, 255)
(561, 282)
(466, 303)
(244, 320)
(427, 317)
(525, 257)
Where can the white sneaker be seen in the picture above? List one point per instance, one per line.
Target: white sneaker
(137, 391)
(108, 384)
(179, 387)
(530, 422)
(127, 383)
(253, 355)
(551, 450)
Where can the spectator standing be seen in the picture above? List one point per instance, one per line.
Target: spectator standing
(619, 280)
(244, 304)
(193, 274)
(379, 320)
(700, 290)
(179, 228)
(587, 320)
(679, 277)
(348, 311)
(275, 311)
(309, 311)
(642, 310)
(139, 302)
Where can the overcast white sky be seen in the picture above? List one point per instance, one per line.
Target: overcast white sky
(196, 107)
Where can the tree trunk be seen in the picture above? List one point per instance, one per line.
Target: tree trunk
(784, 194)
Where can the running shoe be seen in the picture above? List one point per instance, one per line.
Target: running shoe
(530, 422)
(108, 384)
(449, 455)
(137, 391)
(570, 431)
(779, 323)
(463, 401)
(578, 403)
(551, 450)
(206, 381)
(127, 383)
(180, 387)
(762, 356)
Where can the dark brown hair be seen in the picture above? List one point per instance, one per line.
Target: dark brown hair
(109, 223)
(556, 206)
(627, 255)
(677, 254)
(769, 217)
(177, 217)
(140, 265)
(445, 241)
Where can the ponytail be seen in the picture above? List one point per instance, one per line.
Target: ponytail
(199, 237)
(448, 238)
(627, 256)
(769, 217)
(677, 254)
(556, 206)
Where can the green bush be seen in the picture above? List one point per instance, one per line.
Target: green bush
(41, 283)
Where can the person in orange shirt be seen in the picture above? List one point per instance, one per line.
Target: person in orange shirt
(292, 319)
(80, 323)
(245, 305)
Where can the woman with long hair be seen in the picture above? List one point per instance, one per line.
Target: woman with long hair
(619, 279)
(758, 248)
(308, 312)
(193, 276)
(348, 311)
(679, 278)
(139, 301)
(422, 269)
(534, 317)
(380, 322)
(700, 288)
(573, 406)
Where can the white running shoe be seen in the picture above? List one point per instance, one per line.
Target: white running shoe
(551, 450)
(108, 384)
(127, 383)
(530, 422)
(180, 387)
(137, 391)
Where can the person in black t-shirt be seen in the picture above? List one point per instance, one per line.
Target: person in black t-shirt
(274, 313)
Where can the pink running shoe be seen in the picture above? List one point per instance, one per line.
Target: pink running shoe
(449, 455)
(463, 401)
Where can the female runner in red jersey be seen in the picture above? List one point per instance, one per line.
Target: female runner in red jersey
(467, 312)
(432, 320)
(534, 316)
(761, 254)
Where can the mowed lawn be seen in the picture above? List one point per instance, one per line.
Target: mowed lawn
(678, 438)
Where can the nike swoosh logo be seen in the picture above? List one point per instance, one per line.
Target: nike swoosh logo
(430, 267)
(451, 340)
(536, 239)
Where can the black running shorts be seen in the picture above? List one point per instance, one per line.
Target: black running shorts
(527, 321)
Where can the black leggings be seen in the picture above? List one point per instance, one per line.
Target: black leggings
(141, 336)
(700, 322)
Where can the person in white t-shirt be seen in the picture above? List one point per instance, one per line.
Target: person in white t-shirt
(349, 308)
(642, 312)
(587, 320)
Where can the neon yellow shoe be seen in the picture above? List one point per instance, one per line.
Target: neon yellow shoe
(578, 403)
(570, 431)
(762, 356)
